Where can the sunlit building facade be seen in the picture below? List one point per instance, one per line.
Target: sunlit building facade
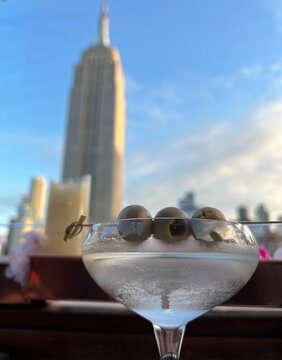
(96, 120)
(67, 201)
(37, 198)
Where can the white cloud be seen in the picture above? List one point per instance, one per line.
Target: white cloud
(158, 106)
(225, 166)
(251, 71)
(272, 73)
(131, 84)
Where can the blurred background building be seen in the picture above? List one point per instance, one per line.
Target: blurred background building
(37, 198)
(67, 201)
(187, 203)
(96, 120)
(30, 213)
(261, 213)
(243, 213)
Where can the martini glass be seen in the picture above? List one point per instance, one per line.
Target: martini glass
(196, 265)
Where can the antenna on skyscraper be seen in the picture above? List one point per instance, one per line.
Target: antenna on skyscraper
(103, 30)
(105, 8)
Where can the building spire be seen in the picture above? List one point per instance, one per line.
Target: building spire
(103, 30)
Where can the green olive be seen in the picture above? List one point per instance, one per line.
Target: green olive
(135, 223)
(171, 224)
(208, 213)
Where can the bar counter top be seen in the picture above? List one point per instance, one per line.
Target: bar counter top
(107, 330)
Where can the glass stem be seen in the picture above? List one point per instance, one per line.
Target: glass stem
(169, 341)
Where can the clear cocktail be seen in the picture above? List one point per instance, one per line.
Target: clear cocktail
(171, 282)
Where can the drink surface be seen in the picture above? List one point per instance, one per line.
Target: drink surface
(170, 289)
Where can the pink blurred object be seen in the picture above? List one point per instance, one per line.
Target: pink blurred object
(19, 260)
(263, 253)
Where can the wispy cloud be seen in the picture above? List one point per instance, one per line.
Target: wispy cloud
(160, 105)
(40, 148)
(271, 73)
(275, 6)
(251, 72)
(132, 86)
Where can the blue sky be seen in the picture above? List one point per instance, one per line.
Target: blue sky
(204, 96)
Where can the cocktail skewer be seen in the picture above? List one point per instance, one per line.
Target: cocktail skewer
(76, 227)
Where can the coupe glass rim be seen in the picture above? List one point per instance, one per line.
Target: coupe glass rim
(117, 221)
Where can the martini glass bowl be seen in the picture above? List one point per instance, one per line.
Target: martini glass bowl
(170, 271)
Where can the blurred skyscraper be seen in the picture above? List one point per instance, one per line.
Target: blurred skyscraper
(243, 213)
(187, 203)
(96, 120)
(20, 223)
(30, 214)
(261, 213)
(37, 198)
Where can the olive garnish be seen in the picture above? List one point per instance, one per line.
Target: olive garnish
(135, 223)
(171, 224)
(208, 213)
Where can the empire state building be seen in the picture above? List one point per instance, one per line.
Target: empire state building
(96, 121)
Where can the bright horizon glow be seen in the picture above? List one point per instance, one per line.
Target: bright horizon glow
(203, 93)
